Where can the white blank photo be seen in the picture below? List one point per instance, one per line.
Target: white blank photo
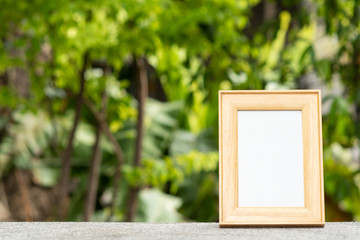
(270, 159)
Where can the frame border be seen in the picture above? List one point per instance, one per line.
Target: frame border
(309, 102)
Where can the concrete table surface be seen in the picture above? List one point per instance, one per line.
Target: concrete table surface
(168, 231)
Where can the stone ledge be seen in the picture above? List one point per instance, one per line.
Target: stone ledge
(168, 231)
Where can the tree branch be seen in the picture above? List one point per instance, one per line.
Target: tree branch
(93, 181)
(118, 151)
(95, 166)
(66, 158)
(142, 95)
(356, 82)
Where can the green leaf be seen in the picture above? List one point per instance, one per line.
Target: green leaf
(45, 176)
(156, 206)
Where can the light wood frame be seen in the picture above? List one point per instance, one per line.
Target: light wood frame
(309, 102)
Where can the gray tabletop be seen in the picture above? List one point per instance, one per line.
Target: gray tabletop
(93, 230)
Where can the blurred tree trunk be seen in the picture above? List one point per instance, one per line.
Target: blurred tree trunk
(93, 177)
(269, 11)
(66, 158)
(142, 80)
(90, 200)
(24, 195)
(356, 82)
(117, 148)
(17, 79)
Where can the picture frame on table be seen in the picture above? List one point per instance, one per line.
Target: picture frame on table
(270, 158)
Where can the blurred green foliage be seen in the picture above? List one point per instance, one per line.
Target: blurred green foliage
(192, 50)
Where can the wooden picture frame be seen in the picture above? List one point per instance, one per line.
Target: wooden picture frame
(311, 212)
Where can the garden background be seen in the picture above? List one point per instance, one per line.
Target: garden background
(108, 109)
